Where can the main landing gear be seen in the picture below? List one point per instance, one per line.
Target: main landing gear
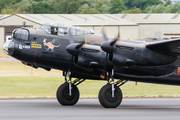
(110, 95)
(68, 93)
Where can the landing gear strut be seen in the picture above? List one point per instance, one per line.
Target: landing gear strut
(110, 95)
(68, 93)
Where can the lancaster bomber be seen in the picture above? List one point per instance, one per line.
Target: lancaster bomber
(82, 54)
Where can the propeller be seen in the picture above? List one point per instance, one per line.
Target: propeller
(107, 47)
(104, 68)
(71, 39)
(73, 47)
(104, 35)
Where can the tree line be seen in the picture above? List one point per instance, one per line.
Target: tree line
(86, 6)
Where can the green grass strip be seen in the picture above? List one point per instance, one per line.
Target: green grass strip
(39, 87)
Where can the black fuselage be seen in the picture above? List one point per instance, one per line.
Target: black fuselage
(49, 51)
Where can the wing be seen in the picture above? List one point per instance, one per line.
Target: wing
(171, 47)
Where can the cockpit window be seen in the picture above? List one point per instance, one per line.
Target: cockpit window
(87, 31)
(21, 34)
(46, 28)
(80, 31)
(73, 31)
(65, 27)
(62, 29)
(54, 30)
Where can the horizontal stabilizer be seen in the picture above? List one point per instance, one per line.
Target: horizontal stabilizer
(171, 47)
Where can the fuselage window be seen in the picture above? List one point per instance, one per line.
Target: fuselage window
(21, 34)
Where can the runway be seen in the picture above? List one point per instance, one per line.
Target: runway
(86, 109)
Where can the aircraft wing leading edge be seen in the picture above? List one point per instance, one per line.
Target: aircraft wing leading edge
(171, 47)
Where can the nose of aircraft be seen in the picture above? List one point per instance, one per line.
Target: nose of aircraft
(8, 47)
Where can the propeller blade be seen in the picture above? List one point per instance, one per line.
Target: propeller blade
(71, 39)
(104, 35)
(80, 45)
(113, 42)
(73, 48)
(107, 46)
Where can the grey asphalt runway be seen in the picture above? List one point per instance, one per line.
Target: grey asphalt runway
(88, 109)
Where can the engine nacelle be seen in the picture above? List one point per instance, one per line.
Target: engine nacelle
(82, 62)
(86, 63)
(121, 60)
(90, 58)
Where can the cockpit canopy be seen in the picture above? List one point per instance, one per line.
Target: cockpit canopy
(61, 29)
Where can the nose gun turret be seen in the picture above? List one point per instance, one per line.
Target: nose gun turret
(8, 47)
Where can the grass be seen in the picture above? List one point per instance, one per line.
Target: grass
(17, 69)
(20, 81)
(38, 87)
(20, 87)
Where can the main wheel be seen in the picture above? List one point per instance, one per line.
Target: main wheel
(106, 99)
(63, 96)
